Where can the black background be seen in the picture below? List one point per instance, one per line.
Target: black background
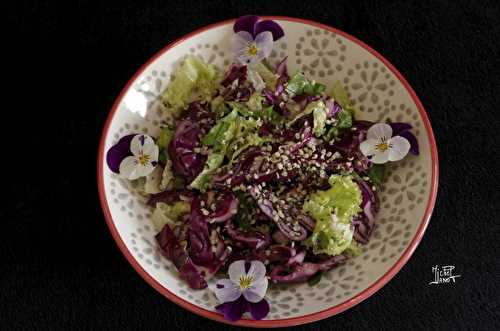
(67, 63)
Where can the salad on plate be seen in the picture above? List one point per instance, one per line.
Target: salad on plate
(261, 175)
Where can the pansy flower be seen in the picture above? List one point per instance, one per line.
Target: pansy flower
(244, 291)
(253, 40)
(133, 156)
(403, 129)
(380, 146)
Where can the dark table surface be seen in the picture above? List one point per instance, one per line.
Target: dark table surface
(65, 65)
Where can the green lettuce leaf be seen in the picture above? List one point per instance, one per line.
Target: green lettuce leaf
(193, 75)
(353, 250)
(204, 178)
(169, 214)
(267, 75)
(319, 114)
(345, 117)
(254, 103)
(296, 84)
(164, 138)
(299, 84)
(333, 211)
(339, 94)
(222, 132)
(308, 110)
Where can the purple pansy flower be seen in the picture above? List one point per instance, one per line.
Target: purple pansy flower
(244, 291)
(253, 39)
(133, 156)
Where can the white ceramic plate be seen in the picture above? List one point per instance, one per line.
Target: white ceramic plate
(377, 90)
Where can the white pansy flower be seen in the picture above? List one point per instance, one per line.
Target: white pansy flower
(245, 278)
(143, 160)
(380, 146)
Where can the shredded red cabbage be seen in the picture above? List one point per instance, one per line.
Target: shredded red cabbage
(268, 183)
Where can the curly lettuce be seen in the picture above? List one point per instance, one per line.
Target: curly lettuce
(333, 211)
(192, 76)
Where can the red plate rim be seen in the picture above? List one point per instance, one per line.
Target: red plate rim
(289, 321)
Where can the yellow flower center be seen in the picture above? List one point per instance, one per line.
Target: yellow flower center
(245, 282)
(252, 50)
(143, 159)
(383, 146)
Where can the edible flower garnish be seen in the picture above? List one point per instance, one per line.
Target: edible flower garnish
(244, 291)
(133, 156)
(380, 146)
(253, 40)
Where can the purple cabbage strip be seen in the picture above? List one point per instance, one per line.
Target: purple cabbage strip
(333, 108)
(235, 72)
(302, 272)
(364, 222)
(170, 197)
(252, 239)
(181, 150)
(175, 252)
(225, 208)
(277, 213)
(200, 249)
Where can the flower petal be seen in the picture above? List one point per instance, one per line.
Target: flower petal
(264, 42)
(142, 144)
(380, 157)
(257, 271)
(226, 290)
(270, 26)
(246, 23)
(236, 270)
(369, 147)
(233, 310)
(379, 131)
(259, 310)
(128, 167)
(118, 152)
(398, 127)
(414, 149)
(239, 46)
(149, 147)
(257, 290)
(398, 149)
(143, 170)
